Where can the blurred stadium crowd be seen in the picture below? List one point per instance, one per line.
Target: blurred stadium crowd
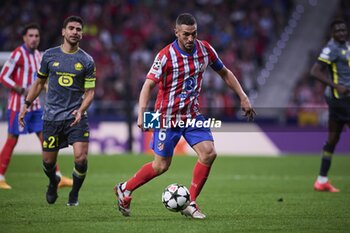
(124, 36)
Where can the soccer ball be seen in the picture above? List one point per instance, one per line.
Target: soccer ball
(176, 197)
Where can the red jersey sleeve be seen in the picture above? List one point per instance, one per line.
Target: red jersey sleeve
(6, 77)
(158, 67)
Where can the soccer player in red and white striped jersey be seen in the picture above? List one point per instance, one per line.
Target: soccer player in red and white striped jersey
(18, 74)
(178, 71)
(180, 76)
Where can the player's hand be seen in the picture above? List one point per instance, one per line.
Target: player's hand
(21, 115)
(77, 119)
(249, 114)
(26, 91)
(247, 108)
(140, 122)
(342, 89)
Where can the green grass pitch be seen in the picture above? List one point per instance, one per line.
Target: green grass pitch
(241, 195)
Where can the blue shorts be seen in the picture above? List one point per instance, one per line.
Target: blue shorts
(33, 122)
(164, 140)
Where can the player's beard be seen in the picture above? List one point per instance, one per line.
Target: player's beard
(73, 42)
(33, 46)
(189, 47)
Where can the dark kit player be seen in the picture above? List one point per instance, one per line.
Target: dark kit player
(333, 69)
(71, 80)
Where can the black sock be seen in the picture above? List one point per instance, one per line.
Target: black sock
(50, 171)
(326, 159)
(79, 174)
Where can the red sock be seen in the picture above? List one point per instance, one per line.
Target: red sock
(6, 154)
(200, 176)
(142, 176)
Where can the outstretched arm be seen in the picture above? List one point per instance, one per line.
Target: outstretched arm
(231, 81)
(34, 92)
(145, 95)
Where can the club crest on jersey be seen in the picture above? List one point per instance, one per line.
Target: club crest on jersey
(160, 146)
(78, 66)
(44, 144)
(56, 64)
(201, 68)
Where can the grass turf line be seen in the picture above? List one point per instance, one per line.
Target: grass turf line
(241, 195)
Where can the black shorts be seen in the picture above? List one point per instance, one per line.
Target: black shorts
(339, 109)
(59, 134)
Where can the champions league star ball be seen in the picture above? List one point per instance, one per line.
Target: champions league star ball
(176, 197)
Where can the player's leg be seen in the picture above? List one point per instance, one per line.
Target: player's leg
(7, 150)
(65, 181)
(201, 141)
(52, 142)
(79, 172)
(5, 157)
(334, 130)
(163, 144)
(78, 136)
(206, 156)
(49, 167)
(145, 174)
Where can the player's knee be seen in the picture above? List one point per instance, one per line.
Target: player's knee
(333, 140)
(209, 156)
(48, 158)
(160, 168)
(80, 158)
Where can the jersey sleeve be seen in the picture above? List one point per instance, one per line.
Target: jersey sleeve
(90, 77)
(214, 60)
(328, 55)
(158, 68)
(43, 71)
(8, 69)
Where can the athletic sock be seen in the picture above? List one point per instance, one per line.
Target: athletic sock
(142, 176)
(6, 153)
(322, 179)
(50, 171)
(200, 176)
(326, 159)
(79, 173)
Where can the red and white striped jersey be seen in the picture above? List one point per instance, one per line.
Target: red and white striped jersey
(20, 69)
(179, 76)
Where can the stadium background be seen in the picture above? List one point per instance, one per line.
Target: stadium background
(269, 44)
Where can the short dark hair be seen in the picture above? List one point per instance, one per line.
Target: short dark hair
(73, 18)
(186, 18)
(30, 26)
(336, 22)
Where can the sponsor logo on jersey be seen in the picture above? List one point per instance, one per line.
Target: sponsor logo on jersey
(55, 64)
